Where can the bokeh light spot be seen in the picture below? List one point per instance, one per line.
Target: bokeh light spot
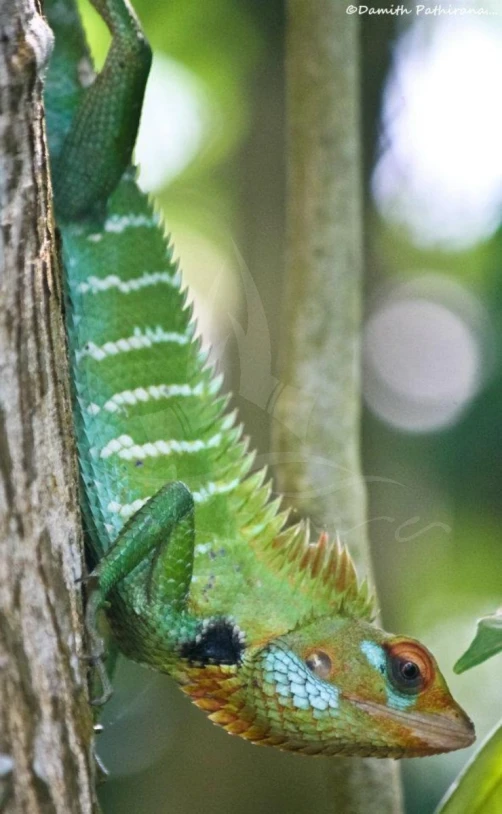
(174, 123)
(425, 357)
(441, 172)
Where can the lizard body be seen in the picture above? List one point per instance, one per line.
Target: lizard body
(266, 631)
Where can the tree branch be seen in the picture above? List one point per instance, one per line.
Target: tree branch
(45, 723)
(317, 434)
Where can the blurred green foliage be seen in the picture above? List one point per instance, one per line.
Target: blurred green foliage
(479, 788)
(487, 642)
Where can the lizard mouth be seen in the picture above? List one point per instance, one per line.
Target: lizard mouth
(438, 733)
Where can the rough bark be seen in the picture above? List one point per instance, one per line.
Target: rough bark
(45, 724)
(316, 437)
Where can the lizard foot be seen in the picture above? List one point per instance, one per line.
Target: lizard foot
(105, 683)
(97, 648)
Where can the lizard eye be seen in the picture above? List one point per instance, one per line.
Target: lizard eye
(409, 667)
(319, 663)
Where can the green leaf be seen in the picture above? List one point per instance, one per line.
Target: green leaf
(478, 789)
(487, 642)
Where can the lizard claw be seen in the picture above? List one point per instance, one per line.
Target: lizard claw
(106, 686)
(85, 579)
(97, 648)
(101, 770)
(96, 642)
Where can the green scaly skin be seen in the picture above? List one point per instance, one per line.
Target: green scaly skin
(269, 634)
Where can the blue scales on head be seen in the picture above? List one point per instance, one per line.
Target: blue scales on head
(295, 683)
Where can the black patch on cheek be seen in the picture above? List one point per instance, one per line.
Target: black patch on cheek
(219, 641)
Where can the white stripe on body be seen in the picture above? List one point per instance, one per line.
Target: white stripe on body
(118, 223)
(211, 489)
(125, 448)
(126, 510)
(129, 398)
(139, 340)
(93, 285)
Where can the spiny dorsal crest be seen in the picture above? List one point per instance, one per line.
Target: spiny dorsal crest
(323, 569)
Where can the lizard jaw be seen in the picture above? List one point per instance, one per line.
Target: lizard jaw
(435, 733)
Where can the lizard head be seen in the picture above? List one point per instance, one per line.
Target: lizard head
(341, 686)
(332, 685)
(336, 685)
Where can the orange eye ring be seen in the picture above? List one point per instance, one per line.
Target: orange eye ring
(409, 667)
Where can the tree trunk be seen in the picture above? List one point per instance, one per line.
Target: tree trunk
(316, 437)
(46, 763)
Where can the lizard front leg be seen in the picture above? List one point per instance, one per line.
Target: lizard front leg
(162, 531)
(158, 543)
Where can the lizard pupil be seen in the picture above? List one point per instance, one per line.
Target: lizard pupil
(406, 674)
(409, 667)
(410, 671)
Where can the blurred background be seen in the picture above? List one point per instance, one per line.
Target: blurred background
(211, 150)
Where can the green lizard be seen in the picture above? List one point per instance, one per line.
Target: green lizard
(269, 633)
